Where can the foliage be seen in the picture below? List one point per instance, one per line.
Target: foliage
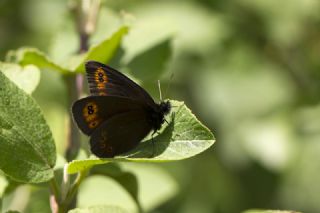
(249, 70)
(26, 135)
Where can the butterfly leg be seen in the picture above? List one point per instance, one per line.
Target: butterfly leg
(166, 121)
(153, 146)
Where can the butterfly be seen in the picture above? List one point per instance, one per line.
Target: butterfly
(118, 114)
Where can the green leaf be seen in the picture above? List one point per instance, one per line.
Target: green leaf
(3, 185)
(99, 190)
(99, 209)
(153, 195)
(150, 64)
(27, 149)
(104, 51)
(126, 179)
(34, 56)
(26, 78)
(268, 211)
(182, 138)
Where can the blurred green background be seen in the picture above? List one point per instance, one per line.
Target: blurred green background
(249, 70)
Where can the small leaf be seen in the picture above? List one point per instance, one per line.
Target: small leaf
(182, 138)
(99, 209)
(26, 78)
(126, 179)
(34, 56)
(27, 150)
(104, 51)
(152, 63)
(268, 211)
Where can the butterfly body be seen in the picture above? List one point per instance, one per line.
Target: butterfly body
(118, 114)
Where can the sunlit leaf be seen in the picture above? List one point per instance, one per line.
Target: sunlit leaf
(34, 56)
(99, 209)
(182, 138)
(26, 78)
(3, 185)
(27, 150)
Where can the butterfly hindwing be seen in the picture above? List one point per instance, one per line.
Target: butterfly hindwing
(92, 111)
(120, 133)
(106, 81)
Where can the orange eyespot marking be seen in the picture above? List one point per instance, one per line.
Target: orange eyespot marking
(90, 111)
(100, 76)
(100, 86)
(94, 124)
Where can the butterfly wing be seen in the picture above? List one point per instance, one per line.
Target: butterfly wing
(92, 111)
(120, 133)
(106, 81)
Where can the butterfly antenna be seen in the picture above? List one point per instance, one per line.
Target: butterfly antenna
(160, 90)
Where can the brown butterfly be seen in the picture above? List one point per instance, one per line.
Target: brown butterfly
(118, 114)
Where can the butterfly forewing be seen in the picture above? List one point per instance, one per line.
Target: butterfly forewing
(120, 133)
(106, 81)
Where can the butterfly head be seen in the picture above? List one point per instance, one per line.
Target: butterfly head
(165, 107)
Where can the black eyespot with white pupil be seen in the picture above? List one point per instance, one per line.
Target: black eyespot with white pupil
(90, 110)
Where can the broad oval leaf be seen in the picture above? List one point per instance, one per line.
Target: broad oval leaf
(26, 78)
(99, 209)
(27, 149)
(183, 137)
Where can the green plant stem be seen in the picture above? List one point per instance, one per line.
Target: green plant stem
(54, 188)
(55, 192)
(65, 205)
